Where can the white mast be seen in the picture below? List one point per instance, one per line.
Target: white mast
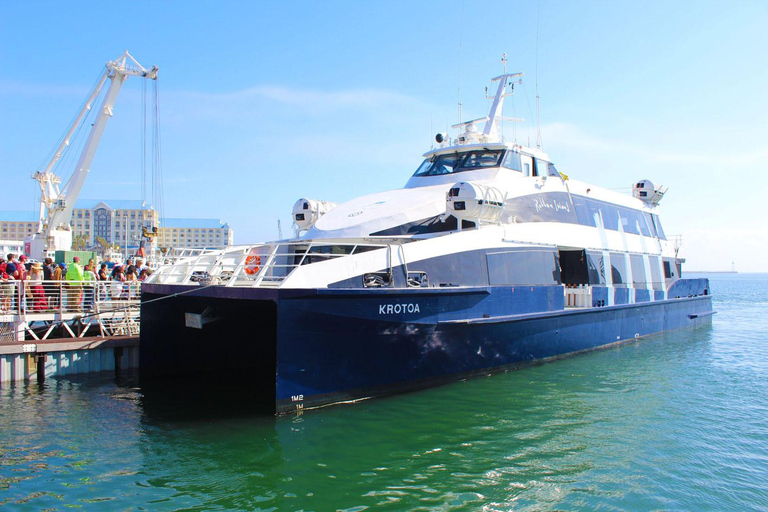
(56, 205)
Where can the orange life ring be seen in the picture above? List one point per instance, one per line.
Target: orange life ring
(252, 264)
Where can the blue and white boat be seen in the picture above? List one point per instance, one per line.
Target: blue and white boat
(486, 260)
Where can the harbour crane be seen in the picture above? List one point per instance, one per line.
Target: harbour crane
(56, 204)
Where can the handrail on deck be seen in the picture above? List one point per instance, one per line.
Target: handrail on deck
(34, 309)
(38, 297)
(256, 265)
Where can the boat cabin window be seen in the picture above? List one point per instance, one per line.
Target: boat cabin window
(512, 161)
(551, 170)
(527, 162)
(657, 225)
(544, 168)
(458, 162)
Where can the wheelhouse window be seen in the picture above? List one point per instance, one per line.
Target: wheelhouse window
(459, 162)
(552, 170)
(512, 161)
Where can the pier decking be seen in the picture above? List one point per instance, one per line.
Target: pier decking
(55, 328)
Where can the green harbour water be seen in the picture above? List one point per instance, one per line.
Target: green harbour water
(676, 421)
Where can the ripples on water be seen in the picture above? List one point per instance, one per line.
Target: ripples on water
(674, 422)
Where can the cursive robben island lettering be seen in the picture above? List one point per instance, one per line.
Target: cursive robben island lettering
(554, 205)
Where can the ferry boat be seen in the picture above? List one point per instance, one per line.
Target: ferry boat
(487, 259)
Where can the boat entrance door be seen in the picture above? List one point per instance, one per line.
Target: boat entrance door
(573, 267)
(575, 278)
(527, 165)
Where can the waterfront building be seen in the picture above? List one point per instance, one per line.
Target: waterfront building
(11, 246)
(120, 221)
(17, 225)
(194, 233)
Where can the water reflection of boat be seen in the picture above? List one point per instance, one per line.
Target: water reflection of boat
(486, 260)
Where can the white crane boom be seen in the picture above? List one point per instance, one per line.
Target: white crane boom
(56, 205)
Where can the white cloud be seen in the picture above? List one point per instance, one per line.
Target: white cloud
(257, 100)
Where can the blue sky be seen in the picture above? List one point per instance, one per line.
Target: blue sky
(264, 103)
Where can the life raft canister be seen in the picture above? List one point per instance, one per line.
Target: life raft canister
(252, 264)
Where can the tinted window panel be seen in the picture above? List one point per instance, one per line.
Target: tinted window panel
(618, 269)
(628, 222)
(547, 207)
(651, 225)
(583, 213)
(595, 267)
(659, 230)
(641, 220)
(655, 272)
(479, 160)
(512, 161)
(523, 268)
(638, 269)
(668, 270)
(610, 216)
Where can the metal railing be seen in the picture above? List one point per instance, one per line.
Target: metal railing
(40, 309)
(265, 265)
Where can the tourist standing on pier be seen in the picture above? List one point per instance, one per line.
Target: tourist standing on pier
(54, 289)
(117, 282)
(16, 270)
(131, 283)
(10, 266)
(48, 268)
(37, 293)
(89, 276)
(6, 287)
(75, 288)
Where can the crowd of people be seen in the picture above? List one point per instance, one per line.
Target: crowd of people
(46, 286)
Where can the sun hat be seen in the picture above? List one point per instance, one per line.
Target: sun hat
(36, 266)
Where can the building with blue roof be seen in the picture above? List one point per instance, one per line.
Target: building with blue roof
(196, 233)
(120, 222)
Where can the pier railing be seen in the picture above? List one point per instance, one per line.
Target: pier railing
(45, 309)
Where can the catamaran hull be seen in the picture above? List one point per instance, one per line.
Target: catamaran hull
(309, 348)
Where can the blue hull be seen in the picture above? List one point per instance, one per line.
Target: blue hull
(309, 348)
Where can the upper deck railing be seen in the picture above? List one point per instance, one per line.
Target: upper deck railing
(255, 265)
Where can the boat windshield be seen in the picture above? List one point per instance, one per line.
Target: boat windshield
(458, 162)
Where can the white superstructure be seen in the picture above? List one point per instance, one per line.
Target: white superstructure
(476, 200)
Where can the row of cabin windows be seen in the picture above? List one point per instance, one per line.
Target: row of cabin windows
(588, 212)
(620, 265)
(529, 166)
(634, 222)
(450, 163)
